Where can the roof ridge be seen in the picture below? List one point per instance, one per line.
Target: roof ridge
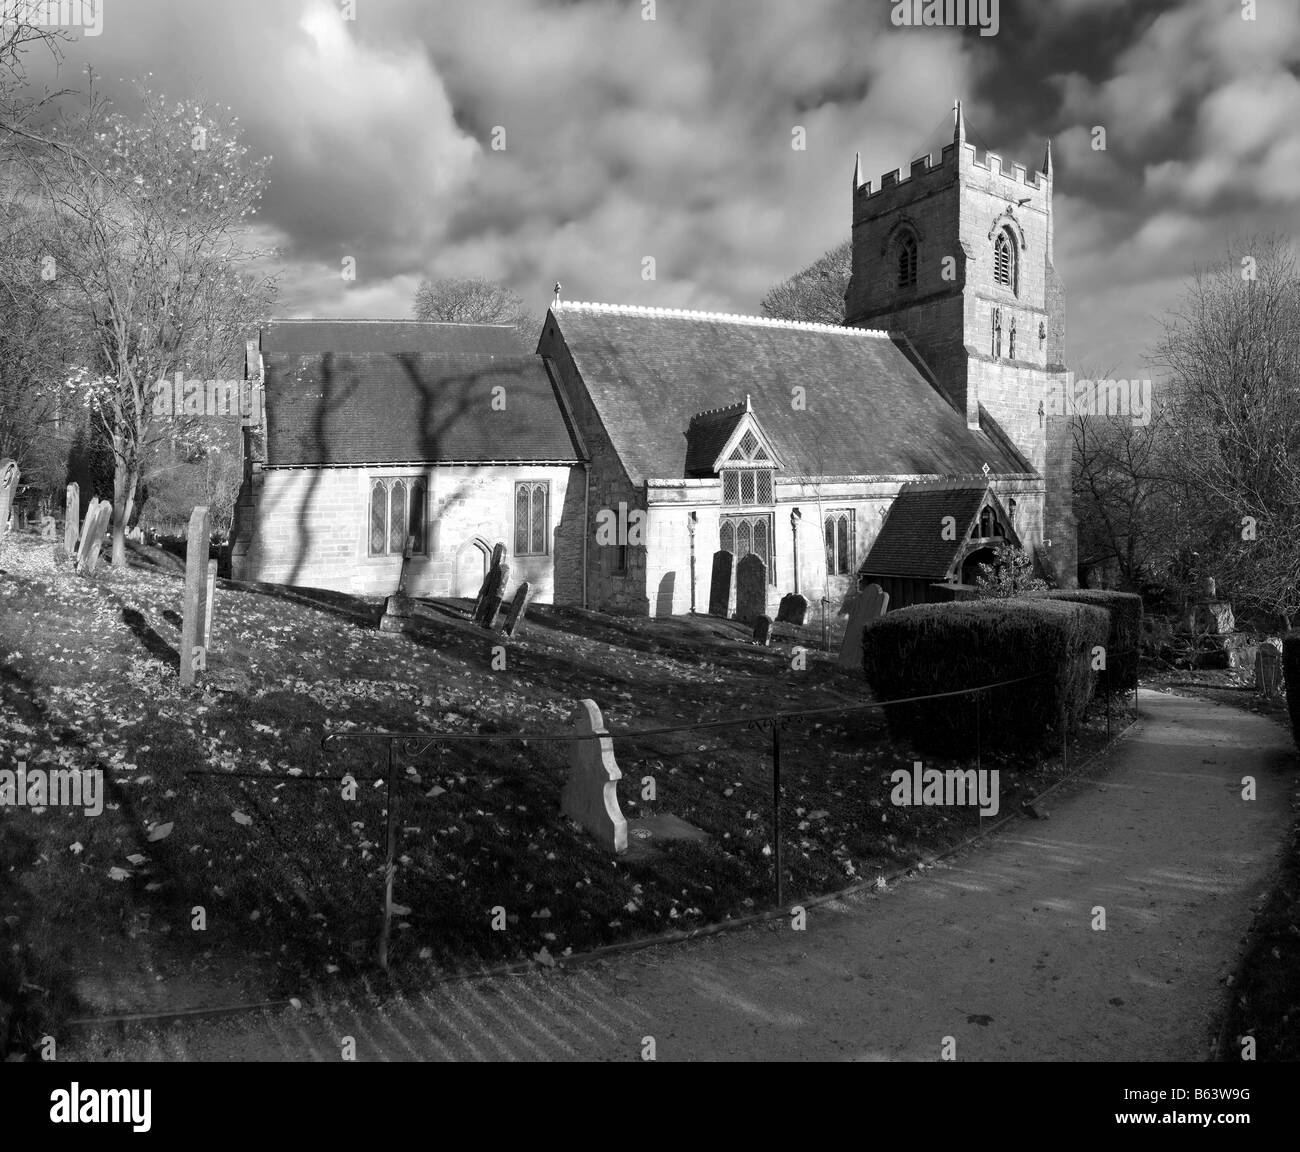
(715, 317)
(737, 409)
(380, 320)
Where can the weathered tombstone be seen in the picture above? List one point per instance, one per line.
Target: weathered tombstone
(8, 490)
(398, 609)
(720, 583)
(93, 541)
(490, 601)
(71, 514)
(207, 604)
(518, 606)
(763, 630)
(590, 795)
(793, 609)
(1268, 670)
(194, 610)
(49, 529)
(751, 588)
(87, 526)
(872, 605)
(498, 558)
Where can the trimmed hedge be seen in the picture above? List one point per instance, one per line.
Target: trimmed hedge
(932, 648)
(1125, 636)
(1291, 674)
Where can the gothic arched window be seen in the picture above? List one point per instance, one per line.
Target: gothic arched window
(1004, 260)
(906, 256)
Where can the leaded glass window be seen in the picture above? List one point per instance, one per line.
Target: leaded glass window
(396, 511)
(745, 535)
(532, 517)
(838, 528)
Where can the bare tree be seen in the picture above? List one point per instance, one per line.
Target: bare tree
(473, 300)
(1129, 499)
(815, 294)
(148, 228)
(1233, 351)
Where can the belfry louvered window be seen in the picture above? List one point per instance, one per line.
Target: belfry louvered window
(396, 511)
(1004, 261)
(907, 260)
(532, 515)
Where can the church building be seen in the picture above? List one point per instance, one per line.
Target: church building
(634, 443)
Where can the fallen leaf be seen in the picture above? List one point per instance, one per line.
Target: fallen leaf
(241, 818)
(160, 832)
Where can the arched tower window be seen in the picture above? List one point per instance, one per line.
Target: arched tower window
(905, 252)
(1004, 260)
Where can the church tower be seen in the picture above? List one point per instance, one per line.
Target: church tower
(957, 257)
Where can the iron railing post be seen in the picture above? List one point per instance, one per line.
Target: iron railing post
(776, 806)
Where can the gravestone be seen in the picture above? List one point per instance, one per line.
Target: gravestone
(590, 795)
(498, 558)
(87, 525)
(71, 514)
(399, 611)
(207, 604)
(93, 536)
(751, 588)
(518, 606)
(49, 528)
(8, 490)
(194, 609)
(490, 600)
(135, 534)
(1268, 670)
(872, 604)
(720, 583)
(793, 609)
(763, 630)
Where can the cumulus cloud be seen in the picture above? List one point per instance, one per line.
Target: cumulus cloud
(620, 139)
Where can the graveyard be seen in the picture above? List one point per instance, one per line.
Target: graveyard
(219, 797)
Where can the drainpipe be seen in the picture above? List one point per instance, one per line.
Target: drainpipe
(690, 528)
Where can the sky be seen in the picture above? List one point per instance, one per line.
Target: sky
(532, 141)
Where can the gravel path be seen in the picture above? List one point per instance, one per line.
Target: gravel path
(995, 949)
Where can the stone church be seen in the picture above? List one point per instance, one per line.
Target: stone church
(631, 444)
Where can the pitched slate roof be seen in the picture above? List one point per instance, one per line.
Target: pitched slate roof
(869, 410)
(707, 435)
(377, 391)
(911, 540)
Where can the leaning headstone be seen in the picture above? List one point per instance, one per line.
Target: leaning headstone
(1268, 670)
(71, 514)
(8, 490)
(518, 606)
(793, 609)
(751, 588)
(872, 605)
(490, 600)
(194, 610)
(49, 528)
(399, 611)
(93, 542)
(498, 558)
(720, 583)
(763, 630)
(590, 795)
